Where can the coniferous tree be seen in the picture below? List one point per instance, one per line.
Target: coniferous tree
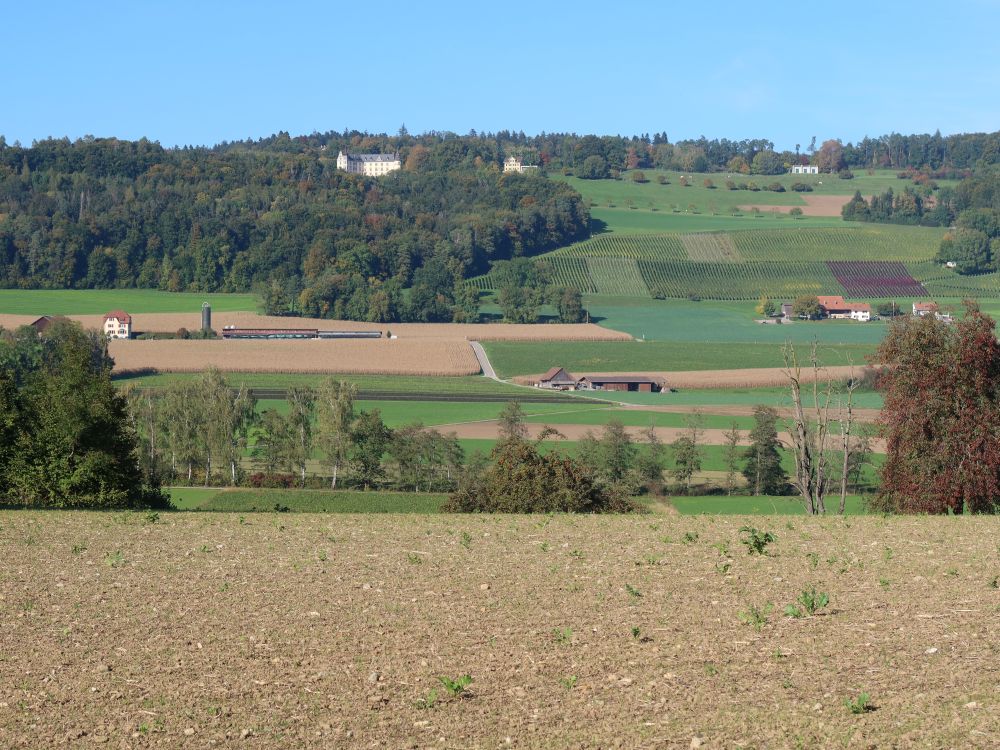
(763, 470)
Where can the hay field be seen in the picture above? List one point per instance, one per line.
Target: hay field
(375, 357)
(453, 331)
(306, 631)
(751, 377)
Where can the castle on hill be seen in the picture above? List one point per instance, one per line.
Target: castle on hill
(370, 165)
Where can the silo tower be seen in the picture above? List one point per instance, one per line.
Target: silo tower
(206, 317)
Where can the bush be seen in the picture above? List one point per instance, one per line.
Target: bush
(260, 480)
(522, 480)
(845, 174)
(183, 333)
(662, 179)
(801, 187)
(776, 187)
(730, 185)
(639, 177)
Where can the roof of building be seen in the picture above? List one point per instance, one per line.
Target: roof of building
(621, 379)
(924, 306)
(42, 322)
(832, 301)
(553, 372)
(371, 157)
(121, 315)
(858, 306)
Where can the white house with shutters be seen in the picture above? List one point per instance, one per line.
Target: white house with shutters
(370, 165)
(804, 169)
(118, 325)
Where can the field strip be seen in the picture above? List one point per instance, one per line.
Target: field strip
(617, 276)
(527, 415)
(736, 410)
(374, 357)
(751, 377)
(490, 430)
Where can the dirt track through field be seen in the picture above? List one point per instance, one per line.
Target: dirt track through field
(309, 631)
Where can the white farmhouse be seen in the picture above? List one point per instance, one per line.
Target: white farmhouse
(513, 164)
(370, 165)
(118, 325)
(804, 169)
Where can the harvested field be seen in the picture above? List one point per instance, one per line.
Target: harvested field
(453, 331)
(375, 357)
(815, 205)
(751, 377)
(298, 631)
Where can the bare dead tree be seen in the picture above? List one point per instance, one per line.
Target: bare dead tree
(846, 418)
(810, 438)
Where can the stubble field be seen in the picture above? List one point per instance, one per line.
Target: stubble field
(306, 631)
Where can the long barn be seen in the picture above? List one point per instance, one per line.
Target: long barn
(295, 333)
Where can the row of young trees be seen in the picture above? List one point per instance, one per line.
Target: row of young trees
(202, 428)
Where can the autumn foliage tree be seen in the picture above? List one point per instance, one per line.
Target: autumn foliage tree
(941, 419)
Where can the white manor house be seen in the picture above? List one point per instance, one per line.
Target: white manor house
(371, 165)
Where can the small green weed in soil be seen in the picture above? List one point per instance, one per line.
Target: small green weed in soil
(808, 602)
(457, 686)
(860, 705)
(756, 541)
(755, 616)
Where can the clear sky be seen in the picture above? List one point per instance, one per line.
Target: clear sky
(184, 72)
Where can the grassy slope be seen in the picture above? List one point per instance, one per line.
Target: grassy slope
(98, 301)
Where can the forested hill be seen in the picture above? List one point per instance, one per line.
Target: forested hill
(101, 213)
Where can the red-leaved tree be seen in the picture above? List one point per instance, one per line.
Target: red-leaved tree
(941, 418)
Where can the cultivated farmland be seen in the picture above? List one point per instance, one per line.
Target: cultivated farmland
(307, 631)
(379, 356)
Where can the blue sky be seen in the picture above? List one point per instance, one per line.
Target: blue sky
(197, 73)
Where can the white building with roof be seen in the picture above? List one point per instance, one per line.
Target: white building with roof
(513, 164)
(370, 165)
(804, 169)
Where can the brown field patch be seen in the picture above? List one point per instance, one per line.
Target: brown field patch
(370, 357)
(165, 322)
(306, 631)
(815, 205)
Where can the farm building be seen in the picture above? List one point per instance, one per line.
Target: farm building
(804, 169)
(232, 332)
(639, 383)
(42, 324)
(836, 307)
(921, 309)
(118, 325)
(557, 378)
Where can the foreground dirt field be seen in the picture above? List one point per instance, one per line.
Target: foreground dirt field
(450, 331)
(281, 631)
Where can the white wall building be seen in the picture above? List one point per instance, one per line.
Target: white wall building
(804, 169)
(118, 325)
(513, 164)
(370, 165)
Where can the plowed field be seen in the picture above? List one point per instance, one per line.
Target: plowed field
(376, 357)
(306, 631)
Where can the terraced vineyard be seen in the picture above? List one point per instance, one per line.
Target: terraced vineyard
(870, 242)
(737, 281)
(865, 261)
(617, 276)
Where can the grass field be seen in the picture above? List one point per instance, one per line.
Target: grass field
(510, 358)
(100, 301)
(312, 630)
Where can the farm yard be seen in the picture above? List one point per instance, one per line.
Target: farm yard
(310, 631)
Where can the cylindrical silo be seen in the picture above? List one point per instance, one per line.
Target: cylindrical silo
(206, 316)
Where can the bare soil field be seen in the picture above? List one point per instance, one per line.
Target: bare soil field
(306, 631)
(490, 430)
(169, 322)
(375, 357)
(751, 377)
(816, 205)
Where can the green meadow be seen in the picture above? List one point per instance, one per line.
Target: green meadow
(99, 301)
